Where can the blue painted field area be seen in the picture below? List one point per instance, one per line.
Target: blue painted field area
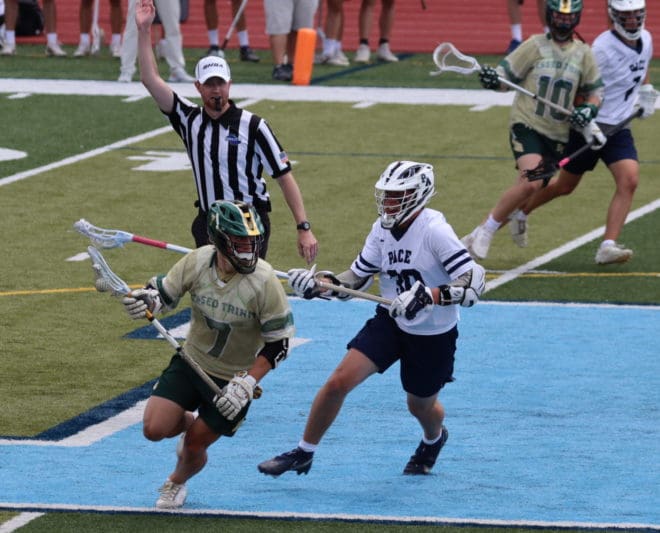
(554, 416)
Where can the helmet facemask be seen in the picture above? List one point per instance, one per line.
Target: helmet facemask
(627, 17)
(237, 233)
(402, 190)
(562, 17)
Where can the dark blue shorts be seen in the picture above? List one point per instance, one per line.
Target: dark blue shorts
(619, 146)
(427, 361)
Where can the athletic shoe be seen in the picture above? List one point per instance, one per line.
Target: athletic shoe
(214, 50)
(179, 75)
(115, 49)
(125, 77)
(385, 54)
(518, 229)
(55, 50)
(337, 60)
(283, 72)
(425, 455)
(362, 54)
(83, 50)
(478, 242)
(247, 54)
(614, 253)
(297, 460)
(172, 495)
(8, 50)
(515, 43)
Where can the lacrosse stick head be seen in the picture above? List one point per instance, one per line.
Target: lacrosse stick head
(543, 171)
(101, 238)
(105, 279)
(448, 59)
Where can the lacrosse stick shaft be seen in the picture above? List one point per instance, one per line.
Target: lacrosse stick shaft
(239, 12)
(617, 128)
(353, 292)
(535, 96)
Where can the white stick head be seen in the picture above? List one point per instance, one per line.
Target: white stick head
(105, 279)
(448, 59)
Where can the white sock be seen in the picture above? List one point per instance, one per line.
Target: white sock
(213, 37)
(607, 242)
(516, 32)
(432, 441)
(116, 39)
(329, 47)
(243, 39)
(491, 225)
(84, 39)
(306, 446)
(10, 37)
(51, 38)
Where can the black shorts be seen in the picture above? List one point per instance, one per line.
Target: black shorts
(183, 386)
(619, 146)
(427, 361)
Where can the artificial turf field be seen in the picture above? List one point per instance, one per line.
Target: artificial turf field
(62, 344)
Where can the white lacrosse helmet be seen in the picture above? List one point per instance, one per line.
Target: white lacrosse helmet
(627, 17)
(402, 190)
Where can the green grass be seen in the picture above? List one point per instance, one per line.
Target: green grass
(67, 338)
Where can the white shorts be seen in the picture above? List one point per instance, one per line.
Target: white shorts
(284, 16)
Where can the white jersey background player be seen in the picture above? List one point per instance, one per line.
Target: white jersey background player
(427, 273)
(623, 54)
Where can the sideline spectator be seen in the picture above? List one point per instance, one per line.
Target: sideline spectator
(91, 44)
(514, 9)
(53, 46)
(283, 20)
(171, 48)
(211, 19)
(334, 29)
(385, 24)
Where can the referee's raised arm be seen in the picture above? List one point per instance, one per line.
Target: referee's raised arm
(145, 13)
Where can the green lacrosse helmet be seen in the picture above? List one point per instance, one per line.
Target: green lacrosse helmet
(562, 17)
(237, 232)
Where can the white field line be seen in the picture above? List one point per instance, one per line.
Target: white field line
(336, 516)
(18, 522)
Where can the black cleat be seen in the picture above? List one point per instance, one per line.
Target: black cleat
(247, 54)
(215, 50)
(296, 460)
(425, 455)
(283, 72)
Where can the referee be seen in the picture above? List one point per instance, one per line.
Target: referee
(229, 148)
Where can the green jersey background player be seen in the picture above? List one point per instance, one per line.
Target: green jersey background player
(240, 329)
(561, 70)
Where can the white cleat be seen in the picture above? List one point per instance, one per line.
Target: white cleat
(178, 75)
(518, 229)
(385, 54)
(8, 49)
(115, 49)
(362, 54)
(55, 50)
(172, 495)
(478, 242)
(614, 253)
(125, 77)
(83, 50)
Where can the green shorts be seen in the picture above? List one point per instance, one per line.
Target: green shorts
(183, 386)
(524, 140)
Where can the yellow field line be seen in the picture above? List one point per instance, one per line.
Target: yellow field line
(526, 275)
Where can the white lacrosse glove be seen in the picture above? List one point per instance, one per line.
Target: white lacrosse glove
(142, 300)
(646, 100)
(236, 395)
(303, 283)
(593, 135)
(409, 303)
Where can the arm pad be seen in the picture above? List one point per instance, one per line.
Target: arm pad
(466, 289)
(275, 352)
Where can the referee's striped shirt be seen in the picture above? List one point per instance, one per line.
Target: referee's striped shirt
(229, 155)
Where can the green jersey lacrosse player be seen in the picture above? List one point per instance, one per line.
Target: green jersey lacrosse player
(240, 329)
(553, 67)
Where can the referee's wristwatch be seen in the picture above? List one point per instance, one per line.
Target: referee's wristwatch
(304, 226)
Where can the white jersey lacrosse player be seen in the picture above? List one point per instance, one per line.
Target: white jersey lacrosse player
(623, 54)
(426, 272)
(240, 329)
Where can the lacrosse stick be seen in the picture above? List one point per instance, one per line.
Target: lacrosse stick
(97, 33)
(546, 169)
(448, 59)
(108, 281)
(239, 12)
(353, 292)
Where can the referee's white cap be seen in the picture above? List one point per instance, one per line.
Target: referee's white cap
(212, 66)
